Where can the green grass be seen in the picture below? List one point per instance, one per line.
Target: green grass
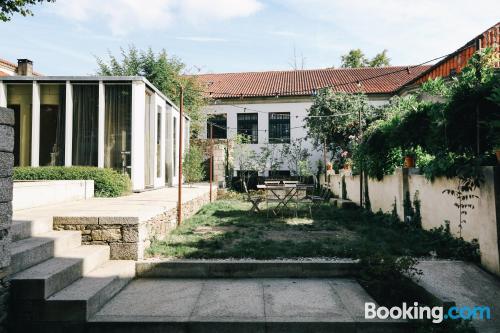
(226, 229)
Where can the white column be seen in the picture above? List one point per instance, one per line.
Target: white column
(137, 139)
(35, 125)
(3, 94)
(68, 136)
(100, 131)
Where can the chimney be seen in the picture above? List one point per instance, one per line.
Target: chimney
(24, 67)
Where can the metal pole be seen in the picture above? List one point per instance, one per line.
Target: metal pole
(360, 167)
(324, 159)
(211, 157)
(179, 194)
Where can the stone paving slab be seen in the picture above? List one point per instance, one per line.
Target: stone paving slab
(465, 284)
(234, 305)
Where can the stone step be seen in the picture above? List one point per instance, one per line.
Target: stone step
(43, 280)
(86, 296)
(25, 228)
(31, 251)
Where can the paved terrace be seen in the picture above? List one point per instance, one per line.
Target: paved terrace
(125, 223)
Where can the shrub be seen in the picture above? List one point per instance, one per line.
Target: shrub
(193, 165)
(107, 182)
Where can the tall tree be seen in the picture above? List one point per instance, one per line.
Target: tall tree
(10, 7)
(356, 59)
(166, 73)
(380, 60)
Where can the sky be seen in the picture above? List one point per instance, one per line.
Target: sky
(212, 36)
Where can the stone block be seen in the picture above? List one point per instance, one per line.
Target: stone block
(5, 211)
(5, 189)
(130, 235)
(6, 164)
(124, 251)
(110, 235)
(7, 138)
(7, 116)
(75, 220)
(118, 220)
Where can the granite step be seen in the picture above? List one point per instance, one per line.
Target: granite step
(86, 296)
(26, 228)
(43, 280)
(34, 250)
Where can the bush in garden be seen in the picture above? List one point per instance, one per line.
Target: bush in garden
(107, 182)
(193, 169)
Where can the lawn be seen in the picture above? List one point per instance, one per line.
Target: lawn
(226, 229)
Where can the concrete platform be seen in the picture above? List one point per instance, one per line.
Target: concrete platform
(135, 207)
(465, 284)
(240, 305)
(127, 224)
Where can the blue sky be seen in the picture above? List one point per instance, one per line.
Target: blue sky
(242, 35)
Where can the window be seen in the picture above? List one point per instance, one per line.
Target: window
(52, 124)
(85, 124)
(117, 126)
(279, 127)
(219, 129)
(19, 99)
(248, 124)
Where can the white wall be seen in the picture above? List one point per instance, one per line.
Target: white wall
(482, 222)
(137, 153)
(298, 111)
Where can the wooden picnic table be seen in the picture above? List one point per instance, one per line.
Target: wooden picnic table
(283, 195)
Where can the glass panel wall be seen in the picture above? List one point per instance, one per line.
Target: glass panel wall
(52, 124)
(158, 142)
(118, 122)
(85, 124)
(19, 98)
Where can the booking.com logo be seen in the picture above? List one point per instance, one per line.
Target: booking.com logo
(436, 313)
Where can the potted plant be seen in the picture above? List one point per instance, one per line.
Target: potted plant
(409, 161)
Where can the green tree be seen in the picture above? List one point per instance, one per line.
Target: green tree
(356, 59)
(193, 169)
(380, 60)
(10, 7)
(166, 73)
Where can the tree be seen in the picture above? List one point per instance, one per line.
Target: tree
(193, 169)
(354, 59)
(357, 59)
(380, 60)
(297, 157)
(166, 73)
(10, 7)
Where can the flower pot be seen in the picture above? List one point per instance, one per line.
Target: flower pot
(497, 152)
(347, 166)
(409, 162)
(329, 166)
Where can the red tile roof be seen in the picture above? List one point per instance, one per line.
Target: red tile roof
(381, 80)
(13, 67)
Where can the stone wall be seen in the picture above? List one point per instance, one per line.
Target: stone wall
(482, 222)
(6, 164)
(128, 238)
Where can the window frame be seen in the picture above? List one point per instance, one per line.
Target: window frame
(279, 127)
(248, 130)
(218, 132)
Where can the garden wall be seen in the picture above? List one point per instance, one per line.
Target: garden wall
(482, 222)
(6, 164)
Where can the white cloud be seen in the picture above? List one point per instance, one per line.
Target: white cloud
(411, 30)
(124, 16)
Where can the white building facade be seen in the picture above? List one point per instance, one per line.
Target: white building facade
(271, 107)
(124, 123)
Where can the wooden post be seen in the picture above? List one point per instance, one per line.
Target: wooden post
(179, 193)
(324, 159)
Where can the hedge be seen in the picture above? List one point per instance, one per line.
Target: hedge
(107, 182)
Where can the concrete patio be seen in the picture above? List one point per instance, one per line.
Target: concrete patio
(242, 305)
